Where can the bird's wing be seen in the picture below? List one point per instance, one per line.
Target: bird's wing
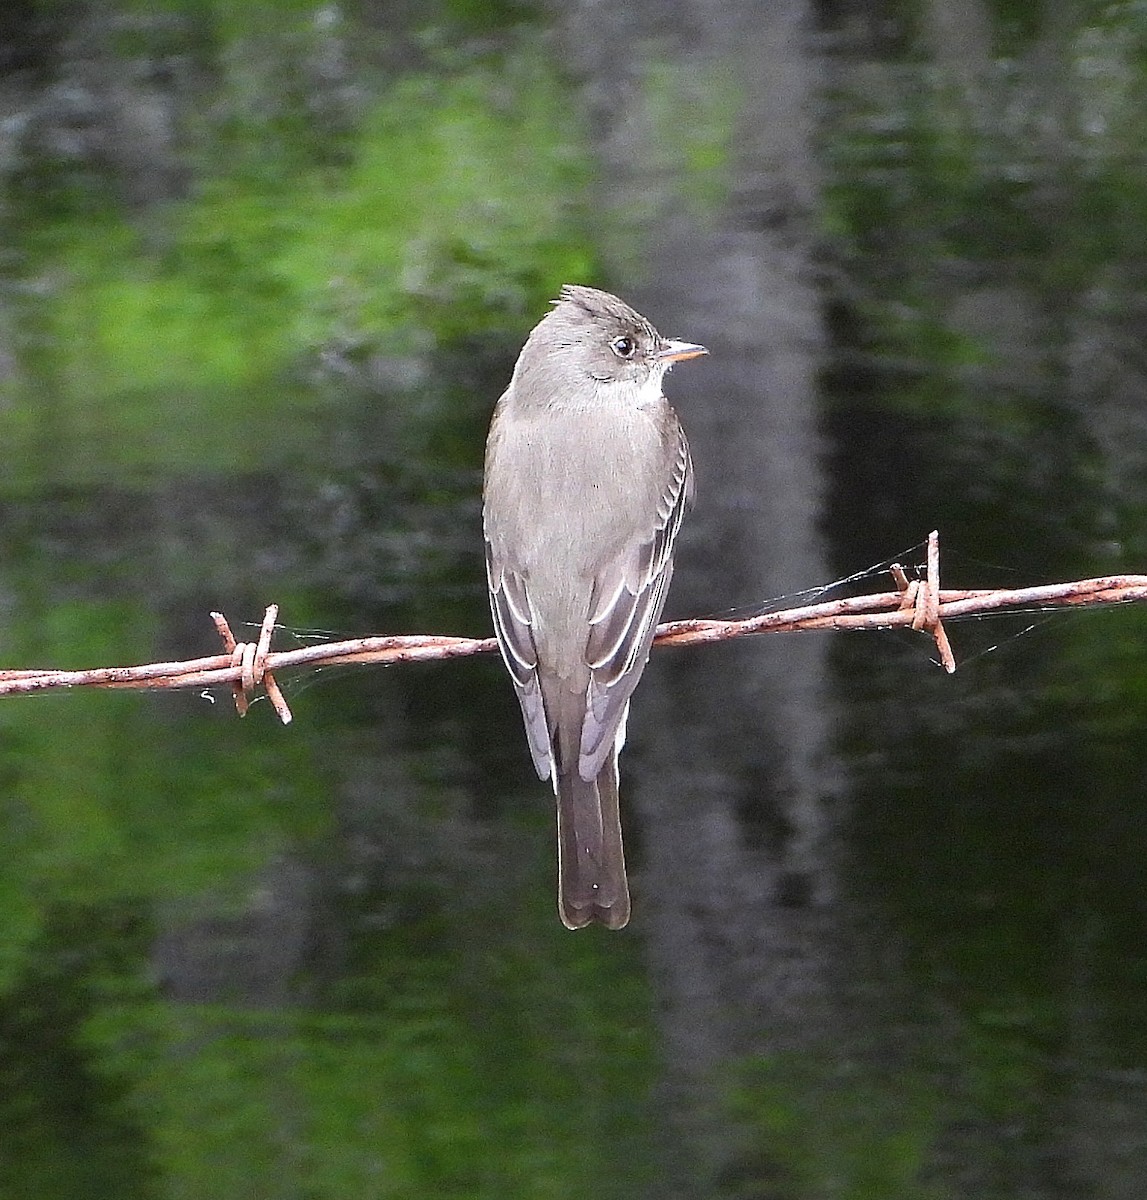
(628, 596)
(513, 625)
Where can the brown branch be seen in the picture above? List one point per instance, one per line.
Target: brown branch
(917, 604)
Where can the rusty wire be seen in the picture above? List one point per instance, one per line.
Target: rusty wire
(916, 604)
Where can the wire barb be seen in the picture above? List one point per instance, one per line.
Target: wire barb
(922, 599)
(250, 659)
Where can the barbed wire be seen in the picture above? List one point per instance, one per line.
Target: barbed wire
(918, 604)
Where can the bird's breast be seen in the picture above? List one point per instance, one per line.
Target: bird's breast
(569, 491)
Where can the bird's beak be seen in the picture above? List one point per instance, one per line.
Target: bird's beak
(679, 351)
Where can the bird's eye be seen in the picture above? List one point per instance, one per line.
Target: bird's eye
(623, 347)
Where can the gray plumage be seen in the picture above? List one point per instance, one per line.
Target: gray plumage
(587, 479)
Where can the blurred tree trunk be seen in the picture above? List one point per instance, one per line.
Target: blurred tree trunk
(736, 879)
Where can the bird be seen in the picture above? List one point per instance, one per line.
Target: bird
(587, 478)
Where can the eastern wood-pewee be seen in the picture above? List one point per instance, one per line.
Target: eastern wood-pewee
(587, 479)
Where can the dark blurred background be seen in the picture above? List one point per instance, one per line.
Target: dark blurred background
(264, 270)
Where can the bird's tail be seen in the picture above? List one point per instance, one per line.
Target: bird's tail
(591, 863)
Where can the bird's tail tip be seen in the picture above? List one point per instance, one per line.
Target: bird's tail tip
(592, 885)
